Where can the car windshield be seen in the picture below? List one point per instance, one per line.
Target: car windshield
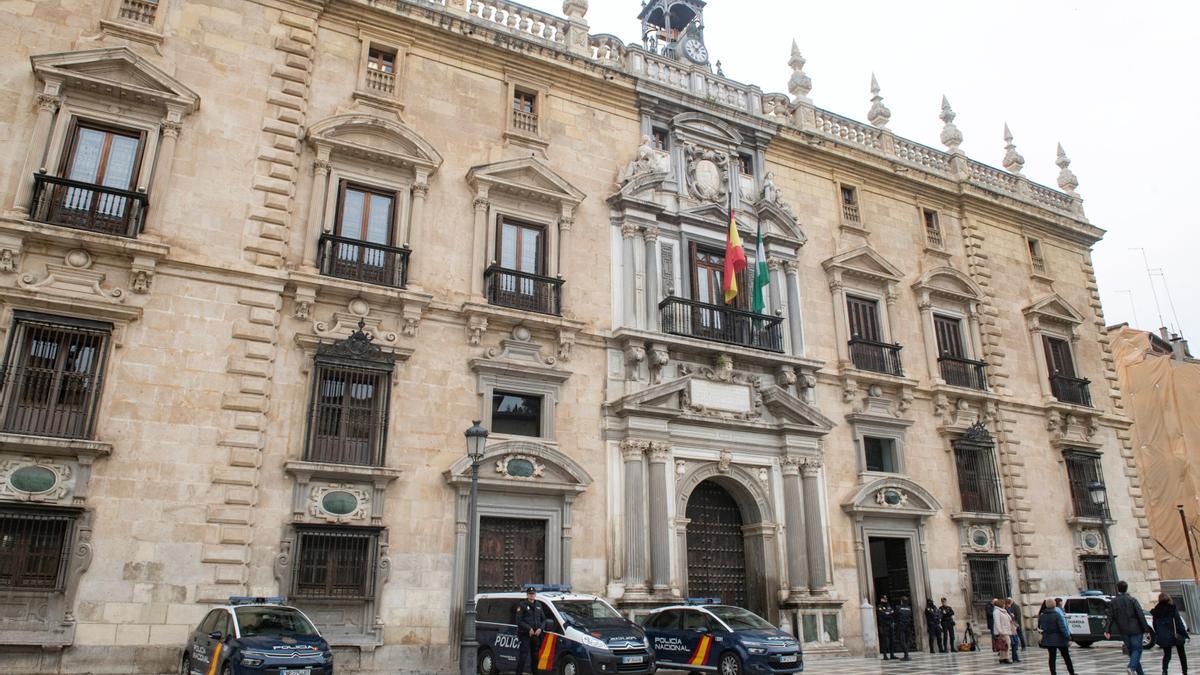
(586, 611)
(739, 619)
(255, 621)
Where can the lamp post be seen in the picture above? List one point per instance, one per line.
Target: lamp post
(476, 441)
(1100, 498)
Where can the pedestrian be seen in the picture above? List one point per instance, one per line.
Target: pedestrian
(1056, 636)
(1015, 635)
(904, 626)
(885, 619)
(933, 626)
(1127, 620)
(1169, 631)
(991, 622)
(947, 621)
(531, 619)
(1002, 629)
(1015, 611)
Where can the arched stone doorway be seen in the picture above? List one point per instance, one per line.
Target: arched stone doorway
(716, 549)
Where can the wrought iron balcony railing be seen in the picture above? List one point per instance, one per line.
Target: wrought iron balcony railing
(1071, 390)
(85, 206)
(877, 357)
(520, 290)
(680, 316)
(363, 261)
(960, 372)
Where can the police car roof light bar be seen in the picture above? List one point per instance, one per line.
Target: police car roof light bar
(257, 600)
(550, 588)
(703, 601)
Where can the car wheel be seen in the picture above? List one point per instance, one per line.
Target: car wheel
(730, 664)
(568, 667)
(226, 669)
(185, 666)
(1148, 641)
(1084, 644)
(486, 663)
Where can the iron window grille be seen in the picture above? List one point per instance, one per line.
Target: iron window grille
(335, 563)
(978, 477)
(33, 549)
(52, 376)
(1083, 469)
(349, 409)
(1097, 574)
(989, 579)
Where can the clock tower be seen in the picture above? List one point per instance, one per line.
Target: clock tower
(675, 28)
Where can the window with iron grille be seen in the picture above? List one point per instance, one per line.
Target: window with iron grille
(989, 579)
(1097, 574)
(1083, 469)
(33, 549)
(335, 563)
(348, 417)
(52, 376)
(978, 478)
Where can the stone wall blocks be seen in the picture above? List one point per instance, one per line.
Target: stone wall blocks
(225, 554)
(268, 260)
(234, 475)
(273, 185)
(236, 534)
(293, 88)
(266, 215)
(271, 249)
(264, 316)
(245, 457)
(241, 495)
(229, 573)
(254, 385)
(231, 515)
(290, 74)
(304, 24)
(259, 298)
(297, 61)
(282, 172)
(291, 46)
(273, 232)
(216, 594)
(244, 330)
(258, 350)
(170, 635)
(287, 101)
(240, 365)
(290, 116)
(242, 402)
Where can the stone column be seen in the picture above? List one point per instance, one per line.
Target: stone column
(814, 529)
(161, 187)
(629, 277)
(976, 335)
(316, 211)
(795, 320)
(635, 517)
(416, 230)
(841, 329)
(479, 247)
(565, 223)
(1039, 355)
(47, 102)
(652, 278)
(796, 539)
(929, 332)
(660, 548)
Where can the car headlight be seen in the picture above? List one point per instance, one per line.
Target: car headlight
(251, 661)
(592, 642)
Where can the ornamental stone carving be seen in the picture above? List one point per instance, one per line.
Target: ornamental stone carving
(648, 161)
(520, 467)
(707, 173)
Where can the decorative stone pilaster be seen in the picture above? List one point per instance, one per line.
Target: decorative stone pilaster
(416, 226)
(316, 210)
(660, 549)
(796, 537)
(629, 233)
(632, 453)
(479, 243)
(48, 102)
(795, 325)
(813, 527)
(161, 188)
(652, 277)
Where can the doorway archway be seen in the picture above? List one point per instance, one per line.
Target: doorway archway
(716, 548)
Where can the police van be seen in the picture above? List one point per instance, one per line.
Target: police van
(256, 635)
(1087, 617)
(583, 634)
(706, 636)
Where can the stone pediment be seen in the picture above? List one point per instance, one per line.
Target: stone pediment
(739, 399)
(116, 72)
(523, 466)
(791, 409)
(709, 212)
(865, 262)
(1054, 308)
(374, 138)
(708, 128)
(526, 177)
(892, 497)
(949, 282)
(779, 221)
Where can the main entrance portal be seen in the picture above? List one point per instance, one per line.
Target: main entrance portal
(716, 548)
(512, 553)
(891, 577)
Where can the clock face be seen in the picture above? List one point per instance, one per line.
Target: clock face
(695, 50)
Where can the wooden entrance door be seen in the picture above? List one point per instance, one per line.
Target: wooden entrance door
(716, 546)
(512, 553)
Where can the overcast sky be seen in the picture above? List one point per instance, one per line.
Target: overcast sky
(1113, 81)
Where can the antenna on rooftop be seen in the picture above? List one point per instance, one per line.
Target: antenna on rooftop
(1150, 276)
(1162, 274)
(1133, 307)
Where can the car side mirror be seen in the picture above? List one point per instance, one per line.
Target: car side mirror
(216, 635)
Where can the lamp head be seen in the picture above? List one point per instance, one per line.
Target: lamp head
(1098, 493)
(476, 440)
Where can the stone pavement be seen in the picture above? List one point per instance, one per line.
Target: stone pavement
(1102, 659)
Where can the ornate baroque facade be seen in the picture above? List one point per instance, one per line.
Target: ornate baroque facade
(263, 261)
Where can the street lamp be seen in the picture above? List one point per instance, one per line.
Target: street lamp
(1100, 498)
(476, 441)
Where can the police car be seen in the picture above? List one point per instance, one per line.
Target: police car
(583, 634)
(256, 635)
(1087, 617)
(706, 636)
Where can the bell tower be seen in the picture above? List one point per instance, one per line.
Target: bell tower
(675, 29)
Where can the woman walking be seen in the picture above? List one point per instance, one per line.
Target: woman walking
(1002, 630)
(1169, 631)
(1056, 636)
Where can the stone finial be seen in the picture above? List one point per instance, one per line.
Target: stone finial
(1066, 178)
(879, 113)
(1013, 161)
(575, 9)
(951, 136)
(800, 83)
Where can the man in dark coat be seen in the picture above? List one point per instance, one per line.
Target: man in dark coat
(933, 627)
(531, 618)
(1127, 620)
(904, 626)
(885, 619)
(947, 625)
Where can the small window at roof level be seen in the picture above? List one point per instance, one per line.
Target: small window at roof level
(850, 212)
(662, 139)
(1035, 254)
(525, 112)
(933, 228)
(746, 164)
(382, 60)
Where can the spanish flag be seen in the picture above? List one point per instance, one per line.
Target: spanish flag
(700, 658)
(546, 653)
(735, 259)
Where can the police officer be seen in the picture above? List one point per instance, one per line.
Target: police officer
(904, 626)
(531, 619)
(885, 617)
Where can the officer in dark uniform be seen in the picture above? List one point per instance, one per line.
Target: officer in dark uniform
(531, 619)
(904, 627)
(885, 618)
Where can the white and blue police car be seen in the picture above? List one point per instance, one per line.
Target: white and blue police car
(706, 636)
(583, 635)
(256, 635)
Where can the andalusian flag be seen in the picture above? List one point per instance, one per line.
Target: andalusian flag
(735, 259)
(759, 303)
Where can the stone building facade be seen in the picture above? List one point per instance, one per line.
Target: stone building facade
(263, 261)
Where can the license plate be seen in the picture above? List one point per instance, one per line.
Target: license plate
(789, 658)
(633, 659)
(306, 671)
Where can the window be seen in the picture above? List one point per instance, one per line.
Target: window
(1035, 254)
(521, 247)
(933, 228)
(52, 376)
(1058, 356)
(881, 454)
(746, 164)
(140, 11)
(210, 623)
(949, 336)
(668, 620)
(1064, 383)
(525, 113)
(276, 621)
(989, 579)
(106, 160)
(662, 139)
(1083, 470)
(518, 280)
(864, 319)
(516, 414)
(381, 60)
(381, 71)
(696, 620)
(867, 349)
(33, 549)
(499, 610)
(349, 415)
(362, 247)
(978, 480)
(955, 367)
(1097, 574)
(335, 564)
(850, 213)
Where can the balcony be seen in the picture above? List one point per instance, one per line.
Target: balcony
(877, 357)
(141, 11)
(1072, 390)
(363, 261)
(960, 372)
(680, 316)
(84, 206)
(520, 290)
(525, 121)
